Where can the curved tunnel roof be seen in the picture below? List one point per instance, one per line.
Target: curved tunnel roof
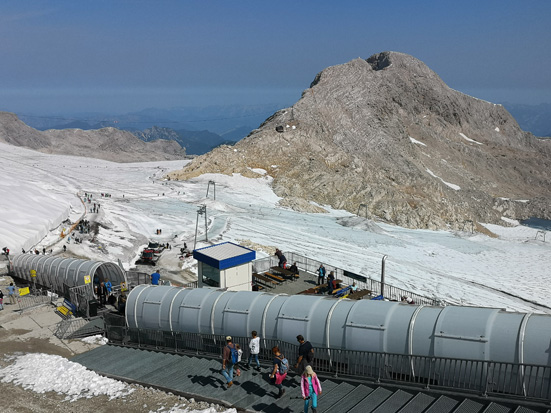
(472, 333)
(54, 271)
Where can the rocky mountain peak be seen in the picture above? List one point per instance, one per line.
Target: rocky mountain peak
(388, 134)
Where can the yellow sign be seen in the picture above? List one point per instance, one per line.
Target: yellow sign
(87, 279)
(33, 273)
(24, 291)
(123, 287)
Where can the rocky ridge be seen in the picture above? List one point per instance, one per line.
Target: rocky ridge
(108, 143)
(386, 135)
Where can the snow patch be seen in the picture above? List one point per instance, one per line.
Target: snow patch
(496, 129)
(259, 171)
(452, 186)
(469, 139)
(416, 141)
(43, 373)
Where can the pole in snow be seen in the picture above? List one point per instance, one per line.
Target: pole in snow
(200, 211)
(213, 187)
(383, 275)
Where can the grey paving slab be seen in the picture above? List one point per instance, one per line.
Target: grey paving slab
(469, 406)
(372, 401)
(332, 398)
(496, 408)
(443, 404)
(418, 403)
(359, 393)
(395, 402)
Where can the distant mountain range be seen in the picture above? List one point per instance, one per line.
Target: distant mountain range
(197, 129)
(106, 143)
(532, 118)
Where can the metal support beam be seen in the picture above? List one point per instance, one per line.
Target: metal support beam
(383, 275)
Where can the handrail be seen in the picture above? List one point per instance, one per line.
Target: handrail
(473, 376)
(310, 266)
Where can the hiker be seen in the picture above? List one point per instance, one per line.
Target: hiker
(102, 292)
(239, 356)
(121, 305)
(108, 285)
(43, 251)
(229, 358)
(254, 348)
(305, 354)
(1, 300)
(64, 248)
(282, 259)
(281, 366)
(311, 388)
(11, 293)
(330, 279)
(155, 277)
(321, 275)
(294, 269)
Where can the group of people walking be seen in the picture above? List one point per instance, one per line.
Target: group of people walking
(310, 384)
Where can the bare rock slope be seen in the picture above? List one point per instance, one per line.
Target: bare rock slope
(388, 134)
(108, 143)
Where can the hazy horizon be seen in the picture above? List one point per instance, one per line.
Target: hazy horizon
(123, 56)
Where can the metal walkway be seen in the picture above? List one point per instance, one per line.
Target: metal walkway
(200, 377)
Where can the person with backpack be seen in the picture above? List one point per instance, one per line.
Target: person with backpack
(230, 356)
(311, 388)
(281, 367)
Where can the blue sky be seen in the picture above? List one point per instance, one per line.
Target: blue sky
(120, 56)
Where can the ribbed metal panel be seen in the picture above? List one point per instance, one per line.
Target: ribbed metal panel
(54, 272)
(469, 333)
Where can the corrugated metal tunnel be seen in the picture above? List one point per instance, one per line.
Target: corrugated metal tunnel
(471, 333)
(54, 272)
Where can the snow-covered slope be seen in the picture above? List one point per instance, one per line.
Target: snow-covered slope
(38, 190)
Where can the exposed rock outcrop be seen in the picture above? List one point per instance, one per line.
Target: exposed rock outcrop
(108, 143)
(388, 133)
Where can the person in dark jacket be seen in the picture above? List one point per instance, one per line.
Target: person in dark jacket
(102, 293)
(282, 259)
(321, 275)
(330, 280)
(305, 354)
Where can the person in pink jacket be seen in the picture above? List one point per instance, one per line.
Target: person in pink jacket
(311, 388)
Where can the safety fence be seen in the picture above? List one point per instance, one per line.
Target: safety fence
(363, 282)
(79, 327)
(529, 382)
(35, 298)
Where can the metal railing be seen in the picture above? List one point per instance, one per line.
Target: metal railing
(524, 381)
(35, 298)
(363, 282)
(135, 278)
(77, 328)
